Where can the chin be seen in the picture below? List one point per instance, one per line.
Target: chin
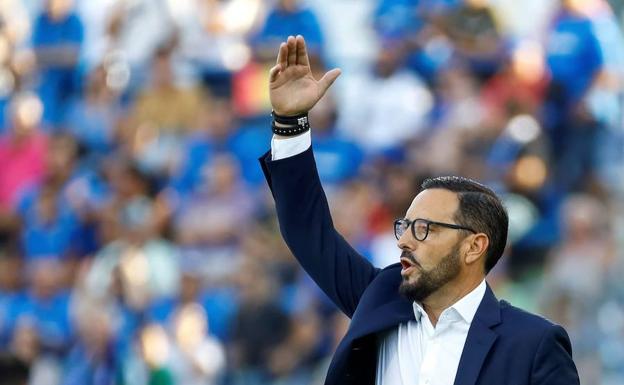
(411, 276)
(413, 291)
(410, 281)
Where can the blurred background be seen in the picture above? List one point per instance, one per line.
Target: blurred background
(138, 241)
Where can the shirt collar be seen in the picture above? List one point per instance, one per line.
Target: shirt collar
(419, 312)
(466, 307)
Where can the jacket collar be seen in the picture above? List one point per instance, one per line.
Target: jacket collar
(480, 339)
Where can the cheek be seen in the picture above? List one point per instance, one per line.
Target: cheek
(430, 255)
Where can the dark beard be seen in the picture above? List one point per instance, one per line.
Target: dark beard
(430, 281)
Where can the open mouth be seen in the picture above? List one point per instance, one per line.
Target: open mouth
(407, 264)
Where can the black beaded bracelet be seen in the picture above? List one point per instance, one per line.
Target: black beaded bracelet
(290, 125)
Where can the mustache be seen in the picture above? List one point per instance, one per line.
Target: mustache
(409, 256)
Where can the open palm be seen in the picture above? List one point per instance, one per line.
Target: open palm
(292, 88)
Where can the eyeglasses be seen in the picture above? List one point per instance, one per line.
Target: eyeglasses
(420, 227)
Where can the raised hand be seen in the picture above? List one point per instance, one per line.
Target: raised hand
(292, 88)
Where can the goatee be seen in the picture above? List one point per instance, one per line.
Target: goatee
(430, 281)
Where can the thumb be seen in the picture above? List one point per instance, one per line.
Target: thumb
(328, 79)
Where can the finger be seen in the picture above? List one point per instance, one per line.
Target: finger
(302, 53)
(328, 79)
(292, 51)
(282, 55)
(274, 72)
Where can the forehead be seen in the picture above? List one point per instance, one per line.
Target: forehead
(434, 204)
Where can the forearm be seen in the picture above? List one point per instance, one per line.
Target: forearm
(306, 225)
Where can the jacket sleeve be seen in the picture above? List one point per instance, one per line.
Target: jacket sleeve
(306, 226)
(553, 363)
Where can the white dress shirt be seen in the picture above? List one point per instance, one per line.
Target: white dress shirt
(420, 354)
(416, 352)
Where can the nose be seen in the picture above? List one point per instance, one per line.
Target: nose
(406, 242)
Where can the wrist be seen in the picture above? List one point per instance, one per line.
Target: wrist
(280, 125)
(288, 126)
(287, 114)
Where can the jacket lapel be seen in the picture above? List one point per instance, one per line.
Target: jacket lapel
(365, 322)
(383, 317)
(384, 309)
(479, 340)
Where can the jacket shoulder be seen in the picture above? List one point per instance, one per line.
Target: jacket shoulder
(512, 312)
(524, 324)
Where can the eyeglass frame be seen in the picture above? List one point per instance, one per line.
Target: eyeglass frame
(410, 224)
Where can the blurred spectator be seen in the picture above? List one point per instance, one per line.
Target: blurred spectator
(397, 17)
(48, 231)
(388, 106)
(575, 61)
(353, 205)
(571, 298)
(163, 104)
(217, 301)
(212, 220)
(25, 346)
(15, 60)
(476, 36)
(586, 243)
(605, 101)
(22, 151)
(135, 253)
(457, 118)
(338, 159)
(284, 18)
(572, 40)
(519, 86)
(292, 361)
(215, 132)
(197, 358)
(47, 306)
(92, 361)
(289, 17)
(41, 327)
(338, 326)
(57, 40)
(155, 348)
(10, 292)
(116, 35)
(260, 327)
(92, 119)
(396, 186)
(161, 114)
(220, 28)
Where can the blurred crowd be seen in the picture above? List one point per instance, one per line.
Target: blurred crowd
(138, 242)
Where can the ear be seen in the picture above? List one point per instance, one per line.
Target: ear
(477, 248)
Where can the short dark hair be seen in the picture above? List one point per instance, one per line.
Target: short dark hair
(480, 209)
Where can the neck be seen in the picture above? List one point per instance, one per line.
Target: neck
(448, 295)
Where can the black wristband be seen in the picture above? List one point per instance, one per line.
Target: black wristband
(289, 120)
(290, 125)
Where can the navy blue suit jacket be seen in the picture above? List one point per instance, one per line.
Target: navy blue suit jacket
(504, 346)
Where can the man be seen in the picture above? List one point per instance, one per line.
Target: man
(430, 319)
